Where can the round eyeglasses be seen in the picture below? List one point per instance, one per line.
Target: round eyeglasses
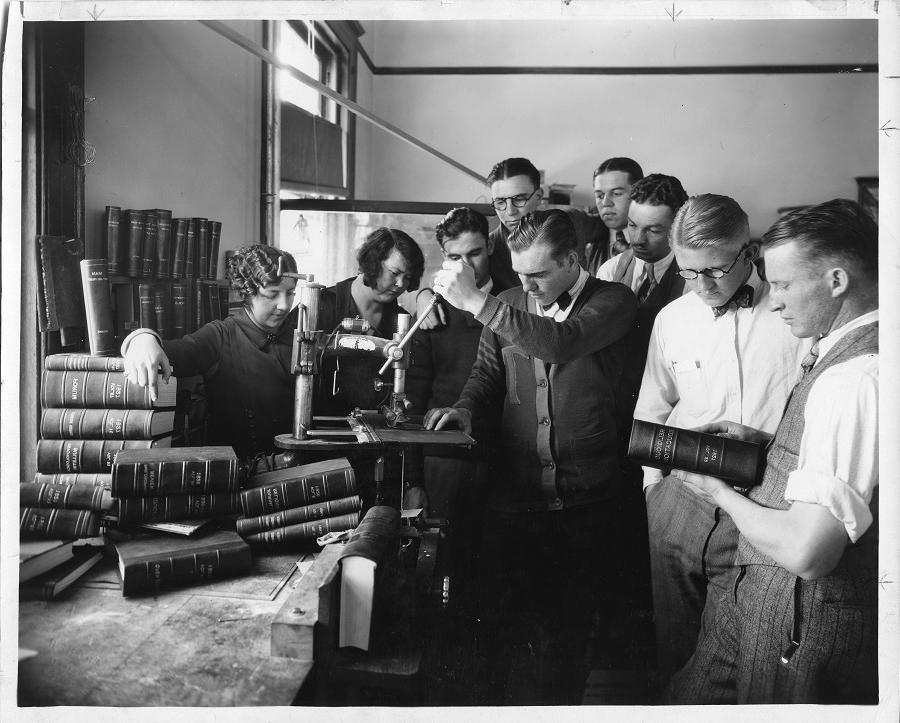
(517, 201)
(712, 272)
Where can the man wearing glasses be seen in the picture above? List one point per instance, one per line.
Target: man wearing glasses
(715, 354)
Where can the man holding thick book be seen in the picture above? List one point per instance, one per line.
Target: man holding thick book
(800, 624)
(549, 357)
(715, 353)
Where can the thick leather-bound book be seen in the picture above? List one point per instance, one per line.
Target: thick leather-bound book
(151, 240)
(102, 390)
(163, 243)
(200, 306)
(202, 231)
(213, 308)
(190, 249)
(98, 309)
(39, 522)
(114, 250)
(175, 470)
(63, 423)
(305, 531)
(215, 237)
(97, 479)
(72, 496)
(297, 487)
(132, 229)
(657, 445)
(60, 297)
(162, 310)
(38, 556)
(152, 562)
(371, 542)
(83, 363)
(167, 508)
(147, 308)
(86, 455)
(179, 247)
(297, 515)
(56, 581)
(179, 309)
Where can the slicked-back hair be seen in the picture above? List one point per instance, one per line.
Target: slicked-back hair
(510, 167)
(457, 222)
(620, 163)
(837, 230)
(378, 246)
(553, 227)
(709, 220)
(658, 189)
(254, 266)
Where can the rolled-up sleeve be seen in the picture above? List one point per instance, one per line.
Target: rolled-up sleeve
(838, 460)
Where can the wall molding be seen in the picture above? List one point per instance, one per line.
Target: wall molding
(626, 70)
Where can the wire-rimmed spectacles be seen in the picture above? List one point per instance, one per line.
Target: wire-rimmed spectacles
(518, 201)
(712, 272)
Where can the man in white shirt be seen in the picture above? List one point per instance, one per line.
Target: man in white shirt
(613, 180)
(800, 624)
(716, 353)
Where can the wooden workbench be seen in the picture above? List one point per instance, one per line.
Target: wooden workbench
(206, 645)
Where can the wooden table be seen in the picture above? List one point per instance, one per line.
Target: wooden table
(205, 645)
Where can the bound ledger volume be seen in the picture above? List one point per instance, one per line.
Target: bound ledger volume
(297, 515)
(83, 363)
(297, 487)
(103, 390)
(98, 310)
(175, 470)
(95, 479)
(72, 496)
(305, 530)
(168, 508)
(36, 523)
(38, 556)
(663, 447)
(62, 423)
(86, 455)
(150, 563)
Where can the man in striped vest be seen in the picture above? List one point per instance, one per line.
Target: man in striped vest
(799, 625)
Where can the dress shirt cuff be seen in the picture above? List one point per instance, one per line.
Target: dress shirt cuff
(844, 502)
(652, 476)
(490, 310)
(126, 342)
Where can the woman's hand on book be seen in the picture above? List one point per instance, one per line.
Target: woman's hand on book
(144, 361)
(733, 430)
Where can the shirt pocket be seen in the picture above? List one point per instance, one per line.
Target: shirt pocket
(517, 362)
(693, 392)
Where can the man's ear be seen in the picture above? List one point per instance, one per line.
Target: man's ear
(838, 281)
(752, 250)
(489, 245)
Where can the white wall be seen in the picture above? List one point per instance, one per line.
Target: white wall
(176, 123)
(768, 140)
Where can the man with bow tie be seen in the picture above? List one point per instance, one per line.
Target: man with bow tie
(716, 353)
(550, 356)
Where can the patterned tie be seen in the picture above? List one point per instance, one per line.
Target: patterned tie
(809, 361)
(619, 245)
(562, 301)
(647, 286)
(742, 298)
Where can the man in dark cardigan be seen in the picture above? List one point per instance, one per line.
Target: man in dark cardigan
(550, 357)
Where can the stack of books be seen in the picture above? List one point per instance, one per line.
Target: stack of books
(48, 567)
(301, 503)
(162, 485)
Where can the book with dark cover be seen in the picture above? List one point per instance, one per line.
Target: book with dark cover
(305, 530)
(167, 508)
(215, 237)
(60, 297)
(133, 230)
(86, 455)
(200, 306)
(83, 362)
(147, 308)
(114, 251)
(98, 310)
(39, 522)
(214, 310)
(224, 310)
(97, 479)
(63, 423)
(56, 581)
(151, 240)
(163, 243)
(190, 249)
(297, 489)
(297, 515)
(179, 310)
(281, 473)
(127, 303)
(377, 534)
(65, 496)
(179, 247)
(103, 390)
(38, 556)
(150, 563)
(175, 471)
(202, 231)
(162, 311)
(657, 445)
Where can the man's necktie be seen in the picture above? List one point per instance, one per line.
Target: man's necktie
(562, 301)
(648, 284)
(619, 244)
(742, 298)
(809, 361)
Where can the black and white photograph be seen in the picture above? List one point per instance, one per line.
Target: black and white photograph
(449, 360)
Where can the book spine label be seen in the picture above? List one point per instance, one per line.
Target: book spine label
(148, 253)
(306, 530)
(64, 496)
(298, 492)
(105, 390)
(98, 309)
(175, 507)
(81, 455)
(149, 576)
(179, 310)
(74, 478)
(179, 248)
(176, 477)
(62, 423)
(83, 363)
(36, 523)
(298, 515)
(114, 263)
(134, 242)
